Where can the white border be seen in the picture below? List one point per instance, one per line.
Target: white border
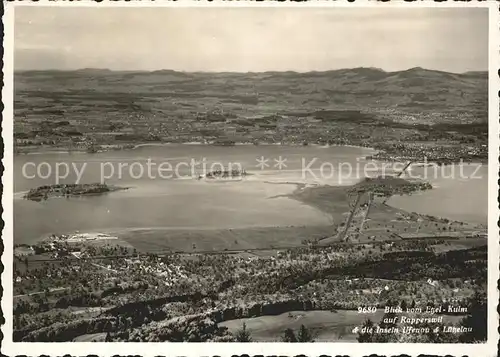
(227, 349)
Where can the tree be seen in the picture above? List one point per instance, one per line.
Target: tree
(476, 321)
(304, 335)
(403, 305)
(243, 335)
(366, 332)
(289, 336)
(388, 323)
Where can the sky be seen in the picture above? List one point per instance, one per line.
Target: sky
(251, 39)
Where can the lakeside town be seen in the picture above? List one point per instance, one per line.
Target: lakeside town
(415, 142)
(396, 118)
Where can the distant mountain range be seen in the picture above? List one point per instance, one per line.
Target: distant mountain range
(365, 70)
(411, 80)
(414, 91)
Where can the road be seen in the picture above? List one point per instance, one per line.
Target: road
(41, 292)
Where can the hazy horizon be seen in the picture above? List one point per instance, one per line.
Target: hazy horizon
(243, 40)
(233, 72)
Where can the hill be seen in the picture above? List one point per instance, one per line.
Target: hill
(206, 106)
(416, 88)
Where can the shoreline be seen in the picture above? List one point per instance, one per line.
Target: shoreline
(133, 147)
(112, 147)
(316, 202)
(313, 195)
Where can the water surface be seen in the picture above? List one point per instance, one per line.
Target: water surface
(184, 202)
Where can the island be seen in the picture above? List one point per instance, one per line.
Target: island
(66, 190)
(234, 174)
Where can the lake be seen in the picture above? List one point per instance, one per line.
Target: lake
(171, 198)
(462, 196)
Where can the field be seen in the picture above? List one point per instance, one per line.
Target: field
(93, 337)
(218, 240)
(326, 326)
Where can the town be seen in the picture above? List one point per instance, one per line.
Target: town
(399, 129)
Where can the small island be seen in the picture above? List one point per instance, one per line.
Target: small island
(233, 174)
(66, 190)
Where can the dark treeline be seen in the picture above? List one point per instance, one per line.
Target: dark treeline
(406, 265)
